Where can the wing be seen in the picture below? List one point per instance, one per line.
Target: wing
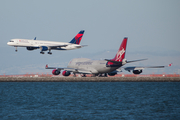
(47, 46)
(71, 70)
(141, 68)
(56, 46)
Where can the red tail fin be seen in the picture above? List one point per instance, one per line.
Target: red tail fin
(77, 38)
(120, 55)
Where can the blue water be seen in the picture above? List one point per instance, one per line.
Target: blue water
(89, 100)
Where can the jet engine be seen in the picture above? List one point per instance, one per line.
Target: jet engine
(66, 73)
(137, 71)
(56, 72)
(112, 73)
(44, 48)
(31, 48)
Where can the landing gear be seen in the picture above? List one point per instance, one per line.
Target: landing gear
(44, 48)
(100, 75)
(16, 49)
(105, 75)
(42, 52)
(94, 75)
(49, 52)
(84, 75)
(74, 75)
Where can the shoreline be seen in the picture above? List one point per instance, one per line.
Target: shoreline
(89, 79)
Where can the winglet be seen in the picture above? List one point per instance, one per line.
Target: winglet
(35, 38)
(77, 38)
(46, 66)
(136, 60)
(170, 65)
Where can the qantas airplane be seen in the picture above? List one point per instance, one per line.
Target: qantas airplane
(101, 67)
(48, 45)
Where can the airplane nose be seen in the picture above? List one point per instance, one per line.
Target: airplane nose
(7, 43)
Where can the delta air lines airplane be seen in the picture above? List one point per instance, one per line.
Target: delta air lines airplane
(48, 45)
(101, 67)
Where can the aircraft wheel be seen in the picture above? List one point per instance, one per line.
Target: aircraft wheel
(84, 75)
(50, 53)
(74, 75)
(42, 52)
(94, 75)
(105, 75)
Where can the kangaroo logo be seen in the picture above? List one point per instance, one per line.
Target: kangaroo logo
(119, 54)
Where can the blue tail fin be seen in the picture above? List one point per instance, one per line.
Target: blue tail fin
(77, 38)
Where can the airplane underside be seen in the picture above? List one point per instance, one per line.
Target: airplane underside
(94, 75)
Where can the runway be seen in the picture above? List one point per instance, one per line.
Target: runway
(89, 79)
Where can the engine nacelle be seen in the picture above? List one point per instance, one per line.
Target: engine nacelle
(44, 48)
(137, 71)
(66, 73)
(30, 48)
(112, 73)
(56, 72)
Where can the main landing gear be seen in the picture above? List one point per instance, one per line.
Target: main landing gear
(100, 75)
(74, 75)
(84, 75)
(49, 52)
(16, 49)
(42, 52)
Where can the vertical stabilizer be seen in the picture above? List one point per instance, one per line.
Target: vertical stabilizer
(77, 38)
(120, 55)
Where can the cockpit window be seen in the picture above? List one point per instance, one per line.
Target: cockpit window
(11, 41)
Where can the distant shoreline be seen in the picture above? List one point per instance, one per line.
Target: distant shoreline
(89, 79)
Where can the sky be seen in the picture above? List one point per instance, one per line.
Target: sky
(152, 28)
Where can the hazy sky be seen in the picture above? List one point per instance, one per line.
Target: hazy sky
(152, 28)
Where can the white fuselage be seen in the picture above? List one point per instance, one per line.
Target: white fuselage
(94, 66)
(39, 43)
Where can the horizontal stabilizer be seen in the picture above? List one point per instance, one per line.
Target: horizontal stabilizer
(136, 60)
(84, 45)
(112, 61)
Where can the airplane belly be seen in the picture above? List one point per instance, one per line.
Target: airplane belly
(102, 68)
(106, 70)
(92, 66)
